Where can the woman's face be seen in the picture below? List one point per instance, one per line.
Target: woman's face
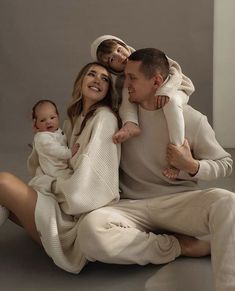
(95, 85)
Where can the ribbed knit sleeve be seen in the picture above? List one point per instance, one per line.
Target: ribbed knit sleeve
(214, 161)
(94, 182)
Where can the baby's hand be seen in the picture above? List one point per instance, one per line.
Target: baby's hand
(160, 101)
(75, 148)
(129, 129)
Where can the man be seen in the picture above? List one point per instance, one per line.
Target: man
(125, 233)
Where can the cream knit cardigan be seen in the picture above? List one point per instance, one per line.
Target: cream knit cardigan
(93, 184)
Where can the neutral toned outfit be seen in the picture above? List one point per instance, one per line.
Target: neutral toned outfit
(51, 153)
(93, 184)
(177, 87)
(131, 230)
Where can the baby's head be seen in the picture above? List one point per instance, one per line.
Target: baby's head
(45, 116)
(111, 51)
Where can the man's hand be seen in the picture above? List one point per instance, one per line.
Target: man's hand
(181, 158)
(161, 101)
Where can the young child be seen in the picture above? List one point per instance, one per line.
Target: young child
(50, 146)
(171, 96)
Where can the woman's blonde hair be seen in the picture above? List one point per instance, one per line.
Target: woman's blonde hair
(76, 106)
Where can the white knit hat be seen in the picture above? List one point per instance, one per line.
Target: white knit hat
(102, 38)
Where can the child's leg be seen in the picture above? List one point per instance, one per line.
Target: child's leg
(21, 200)
(176, 128)
(175, 122)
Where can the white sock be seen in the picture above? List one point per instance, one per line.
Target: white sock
(4, 213)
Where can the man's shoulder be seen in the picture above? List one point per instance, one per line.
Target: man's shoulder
(191, 114)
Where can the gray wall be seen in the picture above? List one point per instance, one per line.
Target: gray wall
(44, 43)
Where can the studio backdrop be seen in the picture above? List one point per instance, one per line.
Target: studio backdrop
(43, 45)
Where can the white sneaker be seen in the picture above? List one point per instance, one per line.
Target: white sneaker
(4, 213)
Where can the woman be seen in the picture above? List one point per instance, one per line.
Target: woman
(94, 183)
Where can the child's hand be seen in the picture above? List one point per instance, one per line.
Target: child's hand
(75, 148)
(161, 101)
(129, 129)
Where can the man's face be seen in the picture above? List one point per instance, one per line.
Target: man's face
(141, 88)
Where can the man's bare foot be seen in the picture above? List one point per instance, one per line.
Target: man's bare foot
(193, 247)
(129, 129)
(171, 172)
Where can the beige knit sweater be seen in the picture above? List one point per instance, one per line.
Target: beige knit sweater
(93, 184)
(144, 157)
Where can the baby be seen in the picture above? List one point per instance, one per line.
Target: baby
(50, 146)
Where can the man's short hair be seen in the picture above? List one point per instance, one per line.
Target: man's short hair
(153, 61)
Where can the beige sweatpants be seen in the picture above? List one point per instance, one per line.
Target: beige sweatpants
(131, 231)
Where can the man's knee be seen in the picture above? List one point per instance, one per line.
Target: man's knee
(223, 206)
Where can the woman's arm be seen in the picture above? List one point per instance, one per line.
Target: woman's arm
(95, 181)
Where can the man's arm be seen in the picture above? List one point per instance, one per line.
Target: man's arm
(204, 158)
(181, 158)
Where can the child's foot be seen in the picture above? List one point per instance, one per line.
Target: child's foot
(171, 172)
(4, 213)
(128, 130)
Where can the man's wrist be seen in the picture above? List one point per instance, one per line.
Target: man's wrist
(194, 168)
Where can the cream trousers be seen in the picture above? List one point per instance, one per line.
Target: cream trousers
(173, 112)
(131, 231)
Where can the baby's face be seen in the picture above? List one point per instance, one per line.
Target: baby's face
(117, 59)
(46, 118)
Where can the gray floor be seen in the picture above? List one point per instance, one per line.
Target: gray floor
(24, 266)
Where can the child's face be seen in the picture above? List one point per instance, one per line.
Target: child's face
(117, 59)
(46, 118)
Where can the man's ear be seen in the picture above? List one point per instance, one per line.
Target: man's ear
(158, 80)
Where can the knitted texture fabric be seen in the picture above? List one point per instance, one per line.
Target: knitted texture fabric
(93, 184)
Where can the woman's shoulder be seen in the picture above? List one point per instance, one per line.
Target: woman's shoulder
(104, 112)
(105, 117)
